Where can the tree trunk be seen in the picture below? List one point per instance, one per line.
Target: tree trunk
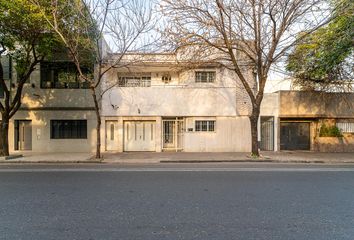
(4, 136)
(254, 132)
(98, 125)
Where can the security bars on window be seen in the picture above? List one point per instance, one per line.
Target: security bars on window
(204, 126)
(205, 77)
(134, 81)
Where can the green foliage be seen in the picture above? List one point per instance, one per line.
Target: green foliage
(325, 56)
(24, 33)
(77, 29)
(330, 131)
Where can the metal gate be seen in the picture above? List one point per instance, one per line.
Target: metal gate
(267, 133)
(294, 136)
(172, 134)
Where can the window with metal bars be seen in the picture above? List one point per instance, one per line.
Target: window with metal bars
(134, 81)
(205, 126)
(346, 127)
(205, 76)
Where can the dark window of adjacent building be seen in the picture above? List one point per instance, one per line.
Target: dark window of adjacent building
(62, 75)
(2, 94)
(68, 129)
(6, 66)
(205, 77)
(204, 126)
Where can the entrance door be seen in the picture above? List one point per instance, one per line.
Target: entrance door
(267, 133)
(139, 136)
(173, 134)
(111, 135)
(23, 135)
(294, 136)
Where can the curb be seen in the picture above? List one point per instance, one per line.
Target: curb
(154, 161)
(47, 162)
(257, 161)
(14, 156)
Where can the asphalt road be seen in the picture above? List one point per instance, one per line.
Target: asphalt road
(224, 201)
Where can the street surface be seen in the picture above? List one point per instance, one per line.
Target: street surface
(177, 201)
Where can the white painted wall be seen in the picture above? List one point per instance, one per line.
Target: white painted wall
(270, 107)
(182, 97)
(232, 134)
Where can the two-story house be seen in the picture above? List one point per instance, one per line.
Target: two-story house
(57, 113)
(162, 104)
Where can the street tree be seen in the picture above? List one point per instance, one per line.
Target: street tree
(83, 26)
(324, 59)
(26, 39)
(241, 34)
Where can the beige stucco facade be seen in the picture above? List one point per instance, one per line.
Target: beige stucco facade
(40, 106)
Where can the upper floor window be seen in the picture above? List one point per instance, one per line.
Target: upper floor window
(6, 66)
(134, 81)
(205, 126)
(62, 75)
(205, 77)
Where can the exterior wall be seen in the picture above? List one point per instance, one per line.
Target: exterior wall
(41, 141)
(270, 107)
(232, 134)
(36, 97)
(334, 144)
(182, 97)
(314, 104)
(42, 105)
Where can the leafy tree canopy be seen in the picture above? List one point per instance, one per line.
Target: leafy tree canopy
(71, 19)
(325, 57)
(24, 33)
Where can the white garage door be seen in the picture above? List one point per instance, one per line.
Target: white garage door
(139, 136)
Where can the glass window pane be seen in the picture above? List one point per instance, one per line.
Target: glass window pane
(204, 126)
(204, 76)
(197, 126)
(211, 126)
(112, 131)
(68, 129)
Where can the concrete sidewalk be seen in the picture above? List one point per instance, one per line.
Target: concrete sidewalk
(182, 157)
(33, 157)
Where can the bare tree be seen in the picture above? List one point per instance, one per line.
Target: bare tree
(125, 25)
(241, 35)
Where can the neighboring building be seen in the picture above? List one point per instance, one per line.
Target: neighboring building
(298, 117)
(56, 114)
